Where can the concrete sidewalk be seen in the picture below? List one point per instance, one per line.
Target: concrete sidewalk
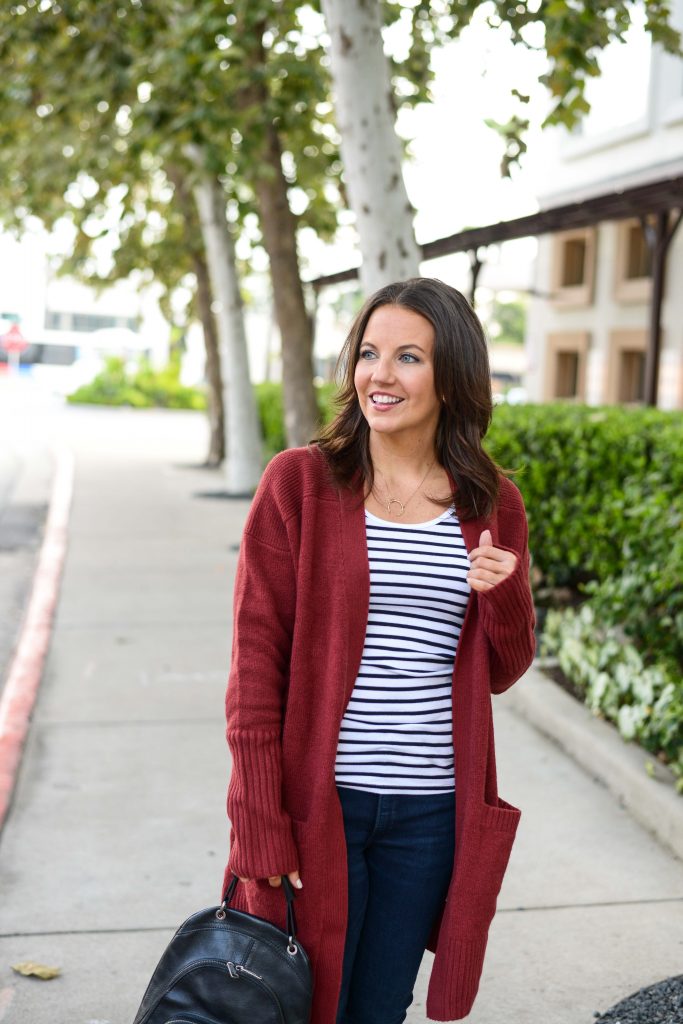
(117, 831)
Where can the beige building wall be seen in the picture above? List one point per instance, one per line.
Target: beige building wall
(590, 285)
(608, 318)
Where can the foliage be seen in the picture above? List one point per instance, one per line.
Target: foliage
(508, 320)
(593, 479)
(604, 495)
(143, 389)
(574, 34)
(645, 701)
(269, 401)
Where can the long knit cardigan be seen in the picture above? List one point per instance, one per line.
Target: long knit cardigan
(300, 615)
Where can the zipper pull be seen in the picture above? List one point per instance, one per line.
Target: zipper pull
(232, 970)
(243, 970)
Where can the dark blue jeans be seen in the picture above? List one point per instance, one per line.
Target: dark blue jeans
(400, 857)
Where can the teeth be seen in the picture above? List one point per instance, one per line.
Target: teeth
(385, 400)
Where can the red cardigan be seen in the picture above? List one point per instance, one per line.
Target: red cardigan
(300, 614)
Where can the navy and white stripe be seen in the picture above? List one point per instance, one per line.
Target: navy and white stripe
(396, 735)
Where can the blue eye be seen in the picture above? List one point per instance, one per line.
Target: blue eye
(366, 352)
(410, 356)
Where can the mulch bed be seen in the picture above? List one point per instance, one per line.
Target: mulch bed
(657, 1004)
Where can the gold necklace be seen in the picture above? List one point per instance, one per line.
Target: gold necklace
(397, 501)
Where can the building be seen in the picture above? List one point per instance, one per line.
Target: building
(595, 292)
(70, 327)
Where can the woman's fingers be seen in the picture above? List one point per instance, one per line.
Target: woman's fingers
(489, 566)
(481, 585)
(276, 880)
(293, 876)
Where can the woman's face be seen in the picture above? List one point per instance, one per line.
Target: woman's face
(394, 375)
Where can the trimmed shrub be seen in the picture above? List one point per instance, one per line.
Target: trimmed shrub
(645, 701)
(271, 413)
(144, 389)
(590, 480)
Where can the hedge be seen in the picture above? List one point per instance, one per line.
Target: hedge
(604, 495)
(145, 388)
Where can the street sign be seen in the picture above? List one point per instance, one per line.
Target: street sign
(14, 340)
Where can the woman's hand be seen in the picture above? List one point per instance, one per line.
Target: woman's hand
(276, 880)
(488, 565)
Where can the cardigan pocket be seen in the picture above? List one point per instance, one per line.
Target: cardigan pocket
(497, 827)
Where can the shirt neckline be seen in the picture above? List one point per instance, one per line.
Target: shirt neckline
(410, 526)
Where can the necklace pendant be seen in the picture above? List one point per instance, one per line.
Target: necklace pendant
(395, 501)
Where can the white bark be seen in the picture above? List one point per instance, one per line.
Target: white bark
(370, 147)
(243, 458)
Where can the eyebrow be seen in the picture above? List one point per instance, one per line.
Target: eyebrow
(400, 347)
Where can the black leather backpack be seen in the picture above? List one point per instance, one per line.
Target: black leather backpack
(224, 966)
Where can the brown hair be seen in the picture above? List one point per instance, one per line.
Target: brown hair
(462, 381)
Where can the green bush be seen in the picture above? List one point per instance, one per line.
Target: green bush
(644, 701)
(146, 388)
(604, 495)
(271, 414)
(589, 478)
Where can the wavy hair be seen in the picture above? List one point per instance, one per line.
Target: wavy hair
(462, 381)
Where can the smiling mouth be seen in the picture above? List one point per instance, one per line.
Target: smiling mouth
(385, 400)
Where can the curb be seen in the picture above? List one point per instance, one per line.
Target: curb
(597, 747)
(26, 669)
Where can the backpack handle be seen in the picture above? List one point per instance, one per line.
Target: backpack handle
(290, 894)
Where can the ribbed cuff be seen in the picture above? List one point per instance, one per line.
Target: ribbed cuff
(508, 617)
(454, 981)
(263, 844)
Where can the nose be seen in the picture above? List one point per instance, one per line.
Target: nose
(382, 371)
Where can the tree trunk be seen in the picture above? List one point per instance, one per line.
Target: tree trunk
(296, 331)
(371, 150)
(243, 445)
(214, 378)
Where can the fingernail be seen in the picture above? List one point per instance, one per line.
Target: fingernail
(299, 884)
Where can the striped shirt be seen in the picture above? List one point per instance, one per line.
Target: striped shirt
(396, 735)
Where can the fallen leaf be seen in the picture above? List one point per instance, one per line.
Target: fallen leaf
(34, 970)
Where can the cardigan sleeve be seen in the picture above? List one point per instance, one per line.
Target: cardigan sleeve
(507, 610)
(262, 844)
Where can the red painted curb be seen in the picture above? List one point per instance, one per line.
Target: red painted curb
(26, 669)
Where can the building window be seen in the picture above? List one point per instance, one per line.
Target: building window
(566, 375)
(574, 262)
(573, 267)
(626, 366)
(566, 356)
(638, 255)
(633, 263)
(59, 320)
(631, 376)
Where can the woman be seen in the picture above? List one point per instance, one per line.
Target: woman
(363, 759)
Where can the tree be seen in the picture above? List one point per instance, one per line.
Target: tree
(158, 240)
(372, 151)
(252, 82)
(244, 89)
(574, 32)
(67, 152)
